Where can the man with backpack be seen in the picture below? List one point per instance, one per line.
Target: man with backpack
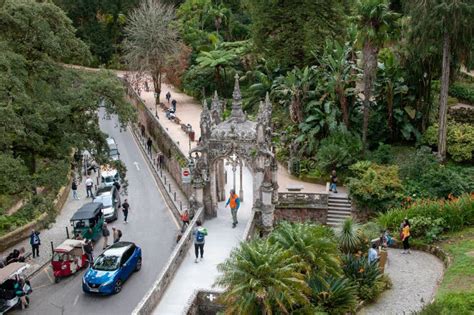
(199, 240)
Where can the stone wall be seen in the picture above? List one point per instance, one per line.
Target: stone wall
(300, 215)
(154, 295)
(174, 157)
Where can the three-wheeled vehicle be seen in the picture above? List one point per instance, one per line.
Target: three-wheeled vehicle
(68, 258)
(87, 222)
(11, 278)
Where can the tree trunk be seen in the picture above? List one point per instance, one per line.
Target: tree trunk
(390, 109)
(369, 59)
(156, 76)
(343, 103)
(443, 98)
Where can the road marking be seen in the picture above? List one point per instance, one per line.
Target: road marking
(154, 179)
(77, 299)
(136, 165)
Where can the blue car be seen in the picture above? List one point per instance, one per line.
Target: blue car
(112, 268)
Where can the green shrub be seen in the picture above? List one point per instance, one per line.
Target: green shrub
(13, 175)
(455, 214)
(451, 303)
(383, 154)
(460, 140)
(462, 91)
(334, 295)
(374, 187)
(339, 149)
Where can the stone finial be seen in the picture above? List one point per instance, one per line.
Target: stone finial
(237, 113)
(216, 109)
(205, 122)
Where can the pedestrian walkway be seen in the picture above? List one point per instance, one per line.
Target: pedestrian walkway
(189, 111)
(56, 234)
(221, 239)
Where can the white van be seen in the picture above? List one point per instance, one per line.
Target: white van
(114, 153)
(108, 175)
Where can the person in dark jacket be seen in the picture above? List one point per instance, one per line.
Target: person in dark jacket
(125, 208)
(88, 249)
(105, 234)
(35, 242)
(74, 190)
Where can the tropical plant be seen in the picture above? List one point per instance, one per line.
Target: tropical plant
(219, 60)
(460, 140)
(334, 295)
(350, 237)
(313, 244)
(339, 149)
(293, 91)
(375, 21)
(150, 38)
(262, 278)
(432, 21)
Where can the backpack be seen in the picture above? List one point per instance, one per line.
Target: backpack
(200, 236)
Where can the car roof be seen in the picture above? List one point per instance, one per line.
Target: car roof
(104, 190)
(118, 249)
(68, 245)
(11, 269)
(110, 140)
(87, 211)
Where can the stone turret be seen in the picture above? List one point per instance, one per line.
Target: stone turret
(237, 113)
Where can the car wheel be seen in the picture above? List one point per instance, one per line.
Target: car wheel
(118, 286)
(56, 279)
(139, 264)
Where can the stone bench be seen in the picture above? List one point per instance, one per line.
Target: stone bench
(294, 187)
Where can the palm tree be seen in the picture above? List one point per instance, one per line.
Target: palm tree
(262, 278)
(312, 244)
(218, 59)
(350, 237)
(293, 90)
(448, 22)
(375, 21)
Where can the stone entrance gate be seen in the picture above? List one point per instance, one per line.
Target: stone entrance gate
(241, 142)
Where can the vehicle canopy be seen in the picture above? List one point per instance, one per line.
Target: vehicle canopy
(74, 247)
(88, 211)
(109, 175)
(11, 270)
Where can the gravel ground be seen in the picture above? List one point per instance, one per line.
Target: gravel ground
(415, 278)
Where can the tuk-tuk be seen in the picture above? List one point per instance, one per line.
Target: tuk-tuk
(87, 222)
(9, 276)
(68, 258)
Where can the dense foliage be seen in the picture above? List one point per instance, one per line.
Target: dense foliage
(300, 269)
(40, 127)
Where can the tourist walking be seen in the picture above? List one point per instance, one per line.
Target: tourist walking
(234, 203)
(173, 105)
(149, 143)
(406, 237)
(199, 240)
(89, 186)
(147, 88)
(333, 183)
(105, 234)
(168, 97)
(74, 190)
(125, 208)
(35, 242)
(89, 250)
(184, 220)
(142, 130)
(116, 234)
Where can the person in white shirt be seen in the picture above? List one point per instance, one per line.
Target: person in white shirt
(373, 255)
(89, 186)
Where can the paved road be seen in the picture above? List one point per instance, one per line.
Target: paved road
(150, 225)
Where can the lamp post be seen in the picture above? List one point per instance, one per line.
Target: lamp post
(189, 129)
(156, 104)
(233, 161)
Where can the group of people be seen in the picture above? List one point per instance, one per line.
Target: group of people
(116, 235)
(386, 240)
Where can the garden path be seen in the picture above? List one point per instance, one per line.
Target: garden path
(415, 279)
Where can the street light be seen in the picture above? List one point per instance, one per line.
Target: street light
(189, 129)
(156, 105)
(233, 161)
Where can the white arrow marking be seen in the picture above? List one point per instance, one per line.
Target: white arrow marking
(136, 165)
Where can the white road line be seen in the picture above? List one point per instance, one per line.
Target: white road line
(136, 165)
(178, 225)
(75, 300)
(47, 273)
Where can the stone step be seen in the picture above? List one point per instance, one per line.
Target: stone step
(334, 222)
(339, 213)
(338, 197)
(339, 208)
(338, 216)
(339, 202)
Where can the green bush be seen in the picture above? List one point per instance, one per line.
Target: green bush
(334, 295)
(451, 303)
(383, 154)
(455, 214)
(339, 149)
(374, 187)
(462, 91)
(13, 175)
(460, 140)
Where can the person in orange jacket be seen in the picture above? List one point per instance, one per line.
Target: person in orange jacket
(234, 203)
(406, 237)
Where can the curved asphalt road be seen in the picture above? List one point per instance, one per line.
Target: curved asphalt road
(151, 226)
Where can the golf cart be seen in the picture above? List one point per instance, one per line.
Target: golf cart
(9, 276)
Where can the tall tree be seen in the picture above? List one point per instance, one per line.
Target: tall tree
(150, 38)
(375, 21)
(446, 24)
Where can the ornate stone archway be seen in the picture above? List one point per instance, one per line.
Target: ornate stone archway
(250, 141)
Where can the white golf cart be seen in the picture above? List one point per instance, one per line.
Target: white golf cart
(9, 275)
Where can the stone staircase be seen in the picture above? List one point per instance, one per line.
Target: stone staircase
(339, 209)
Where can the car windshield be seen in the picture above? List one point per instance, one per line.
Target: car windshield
(109, 179)
(113, 152)
(106, 263)
(106, 200)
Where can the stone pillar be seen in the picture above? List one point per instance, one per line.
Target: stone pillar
(221, 180)
(213, 178)
(267, 206)
(241, 190)
(198, 186)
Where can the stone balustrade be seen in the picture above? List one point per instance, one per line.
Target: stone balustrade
(302, 200)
